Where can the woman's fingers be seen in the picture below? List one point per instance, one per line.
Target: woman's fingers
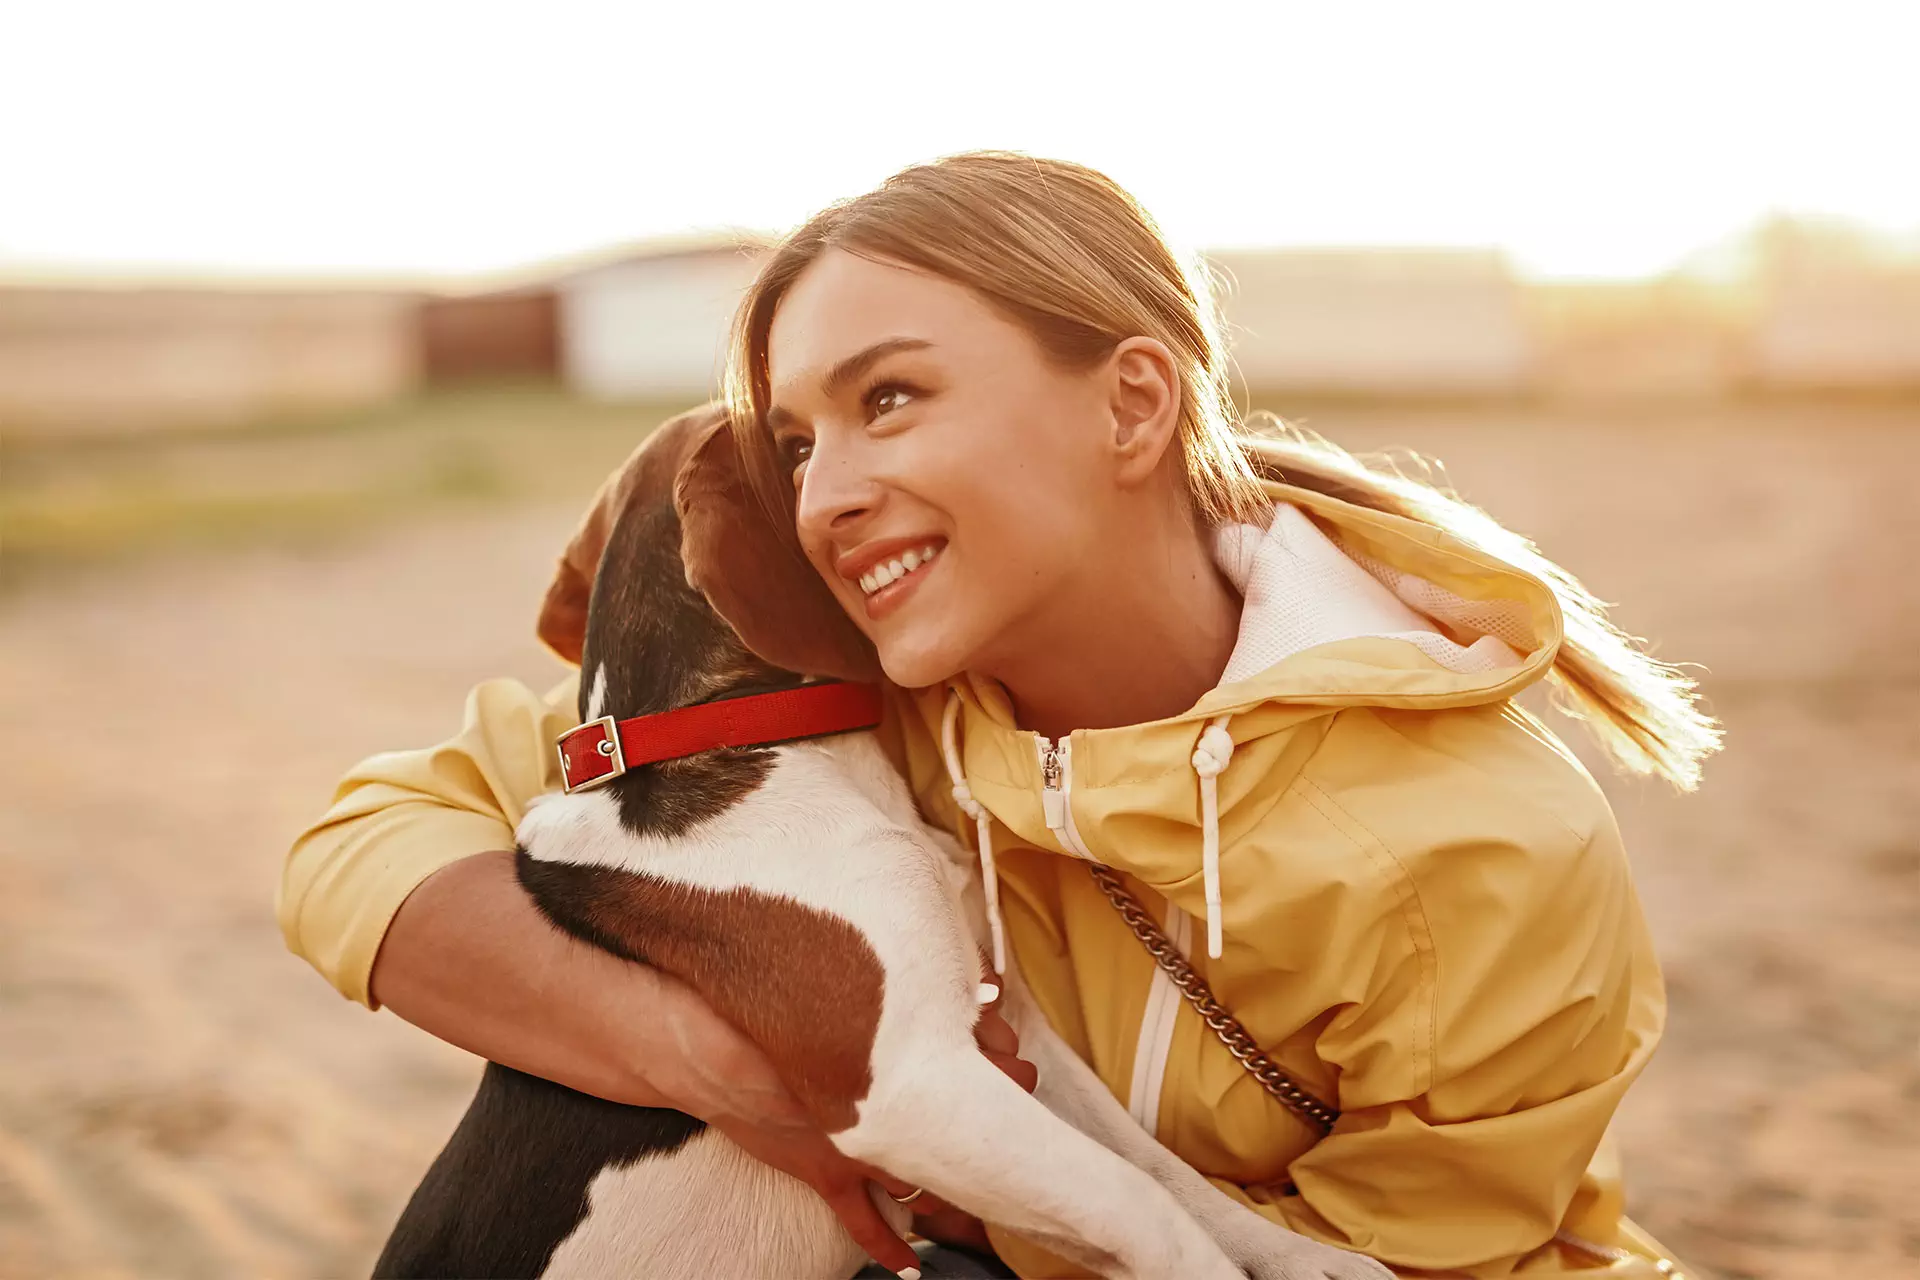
(808, 1155)
(1022, 1072)
(997, 1039)
(705, 1066)
(994, 1034)
(935, 1219)
(852, 1202)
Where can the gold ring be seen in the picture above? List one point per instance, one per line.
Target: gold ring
(917, 1193)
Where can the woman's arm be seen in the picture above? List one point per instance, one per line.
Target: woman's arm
(399, 817)
(470, 959)
(1514, 998)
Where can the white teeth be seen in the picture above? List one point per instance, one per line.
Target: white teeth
(892, 571)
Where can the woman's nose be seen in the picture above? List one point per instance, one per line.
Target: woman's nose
(835, 493)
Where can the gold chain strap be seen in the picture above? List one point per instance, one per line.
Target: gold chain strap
(1248, 1054)
(1259, 1065)
(1200, 996)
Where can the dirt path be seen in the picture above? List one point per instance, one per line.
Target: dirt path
(180, 1098)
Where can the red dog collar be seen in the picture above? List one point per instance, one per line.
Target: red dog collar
(601, 750)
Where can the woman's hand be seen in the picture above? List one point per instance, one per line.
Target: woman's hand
(470, 959)
(712, 1071)
(996, 1038)
(723, 1078)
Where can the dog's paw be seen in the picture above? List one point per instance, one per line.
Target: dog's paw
(1329, 1263)
(1280, 1254)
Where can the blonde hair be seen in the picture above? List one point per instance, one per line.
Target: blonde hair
(1068, 254)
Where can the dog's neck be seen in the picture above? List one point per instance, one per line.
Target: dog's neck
(653, 644)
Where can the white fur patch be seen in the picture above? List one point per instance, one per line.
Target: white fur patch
(597, 696)
(704, 1211)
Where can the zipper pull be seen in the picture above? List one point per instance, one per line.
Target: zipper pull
(1052, 799)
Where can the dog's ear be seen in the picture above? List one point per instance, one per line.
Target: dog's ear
(757, 579)
(648, 473)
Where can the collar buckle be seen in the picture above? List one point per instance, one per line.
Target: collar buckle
(590, 755)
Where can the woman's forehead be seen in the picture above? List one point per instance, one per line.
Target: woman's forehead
(843, 305)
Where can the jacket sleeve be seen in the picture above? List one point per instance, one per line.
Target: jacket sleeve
(398, 817)
(1514, 998)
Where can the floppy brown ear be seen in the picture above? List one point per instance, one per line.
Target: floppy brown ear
(648, 472)
(757, 579)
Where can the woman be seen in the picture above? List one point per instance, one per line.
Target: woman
(1268, 685)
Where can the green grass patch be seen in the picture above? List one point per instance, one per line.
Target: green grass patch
(67, 502)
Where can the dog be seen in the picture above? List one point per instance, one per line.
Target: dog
(794, 886)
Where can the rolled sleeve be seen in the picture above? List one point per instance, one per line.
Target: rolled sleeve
(398, 817)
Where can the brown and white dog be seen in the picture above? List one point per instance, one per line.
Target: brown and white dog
(796, 888)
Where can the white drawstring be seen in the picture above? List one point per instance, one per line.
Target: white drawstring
(1209, 761)
(982, 825)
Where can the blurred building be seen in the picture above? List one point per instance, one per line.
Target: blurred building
(489, 333)
(651, 323)
(1375, 321)
(105, 359)
(1783, 307)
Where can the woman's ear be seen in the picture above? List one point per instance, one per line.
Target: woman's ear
(1145, 407)
(757, 580)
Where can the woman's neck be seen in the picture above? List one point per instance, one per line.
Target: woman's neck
(1141, 636)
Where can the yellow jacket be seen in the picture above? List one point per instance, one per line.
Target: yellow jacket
(1427, 915)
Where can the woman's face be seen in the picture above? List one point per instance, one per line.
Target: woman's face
(949, 477)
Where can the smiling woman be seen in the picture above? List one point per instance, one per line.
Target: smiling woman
(950, 428)
(1268, 688)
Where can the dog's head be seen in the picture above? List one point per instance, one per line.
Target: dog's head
(677, 564)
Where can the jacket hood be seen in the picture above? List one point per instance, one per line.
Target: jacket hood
(1343, 607)
(1346, 606)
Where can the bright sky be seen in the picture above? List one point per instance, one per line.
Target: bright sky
(1599, 139)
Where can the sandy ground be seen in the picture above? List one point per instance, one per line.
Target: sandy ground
(181, 1098)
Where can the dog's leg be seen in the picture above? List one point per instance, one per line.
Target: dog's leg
(1070, 1090)
(948, 1120)
(1263, 1249)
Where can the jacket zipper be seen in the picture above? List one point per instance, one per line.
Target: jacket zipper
(1056, 784)
(1157, 1020)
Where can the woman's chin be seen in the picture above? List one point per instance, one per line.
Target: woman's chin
(914, 665)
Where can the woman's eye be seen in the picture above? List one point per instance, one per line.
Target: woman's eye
(887, 397)
(795, 450)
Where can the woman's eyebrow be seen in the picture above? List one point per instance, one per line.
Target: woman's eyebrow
(847, 371)
(859, 362)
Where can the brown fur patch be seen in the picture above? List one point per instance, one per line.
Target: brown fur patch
(647, 475)
(803, 985)
(757, 579)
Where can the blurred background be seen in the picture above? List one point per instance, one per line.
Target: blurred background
(319, 323)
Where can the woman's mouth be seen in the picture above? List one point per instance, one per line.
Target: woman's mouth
(888, 583)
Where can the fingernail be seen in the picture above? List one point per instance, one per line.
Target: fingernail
(911, 1273)
(986, 993)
